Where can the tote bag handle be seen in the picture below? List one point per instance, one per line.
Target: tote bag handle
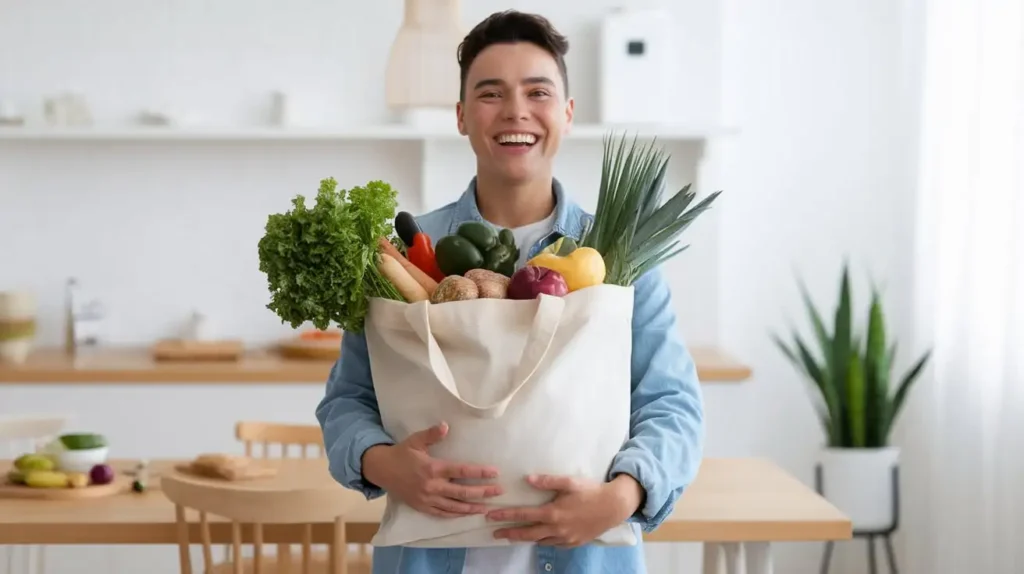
(542, 333)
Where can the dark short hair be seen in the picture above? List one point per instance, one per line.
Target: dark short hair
(509, 27)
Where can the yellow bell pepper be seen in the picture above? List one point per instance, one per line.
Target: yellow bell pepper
(583, 267)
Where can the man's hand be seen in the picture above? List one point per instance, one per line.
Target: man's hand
(407, 472)
(581, 511)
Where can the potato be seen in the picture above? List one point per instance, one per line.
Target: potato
(490, 285)
(454, 288)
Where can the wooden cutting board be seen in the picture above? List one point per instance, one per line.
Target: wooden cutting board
(119, 485)
(186, 350)
(316, 347)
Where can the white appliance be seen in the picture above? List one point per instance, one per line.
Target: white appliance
(637, 66)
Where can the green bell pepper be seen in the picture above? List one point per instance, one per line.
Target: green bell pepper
(476, 245)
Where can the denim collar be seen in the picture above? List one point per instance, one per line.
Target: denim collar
(570, 218)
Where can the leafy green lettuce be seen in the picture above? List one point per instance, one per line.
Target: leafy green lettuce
(321, 262)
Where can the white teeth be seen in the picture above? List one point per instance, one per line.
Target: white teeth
(517, 138)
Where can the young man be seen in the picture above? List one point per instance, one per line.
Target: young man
(514, 107)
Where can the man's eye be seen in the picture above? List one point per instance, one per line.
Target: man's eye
(538, 93)
(489, 95)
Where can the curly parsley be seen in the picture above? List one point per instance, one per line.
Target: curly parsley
(321, 262)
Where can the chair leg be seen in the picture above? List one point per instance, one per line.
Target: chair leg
(891, 555)
(872, 563)
(826, 558)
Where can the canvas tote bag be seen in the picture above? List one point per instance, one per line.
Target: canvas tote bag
(529, 386)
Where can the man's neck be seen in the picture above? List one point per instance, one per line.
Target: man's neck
(514, 205)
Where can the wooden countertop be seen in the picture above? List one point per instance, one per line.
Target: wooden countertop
(136, 366)
(732, 500)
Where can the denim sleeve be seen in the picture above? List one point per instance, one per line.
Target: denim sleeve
(666, 439)
(349, 416)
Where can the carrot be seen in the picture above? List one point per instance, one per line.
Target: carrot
(401, 279)
(417, 274)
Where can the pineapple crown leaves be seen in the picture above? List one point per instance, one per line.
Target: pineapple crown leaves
(851, 382)
(633, 229)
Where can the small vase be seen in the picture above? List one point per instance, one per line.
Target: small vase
(858, 481)
(17, 325)
(421, 70)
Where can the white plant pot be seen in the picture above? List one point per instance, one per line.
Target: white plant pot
(17, 315)
(858, 481)
(15, 351)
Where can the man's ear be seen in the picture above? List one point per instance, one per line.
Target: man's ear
(569, 111)
(460, 118)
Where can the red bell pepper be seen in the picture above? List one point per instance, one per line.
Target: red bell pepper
(418, 248)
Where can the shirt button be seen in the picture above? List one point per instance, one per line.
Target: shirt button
(547, 567)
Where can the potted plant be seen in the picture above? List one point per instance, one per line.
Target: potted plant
(858, 399)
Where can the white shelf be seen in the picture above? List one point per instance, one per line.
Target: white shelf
(368, 133)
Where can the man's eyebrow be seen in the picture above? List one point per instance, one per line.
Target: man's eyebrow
(539, 80)
(496, 82)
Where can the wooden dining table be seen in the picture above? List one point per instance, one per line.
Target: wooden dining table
(736, 507)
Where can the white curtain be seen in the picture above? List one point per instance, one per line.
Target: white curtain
(963, 462)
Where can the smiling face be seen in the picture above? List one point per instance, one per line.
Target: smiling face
(515, 111)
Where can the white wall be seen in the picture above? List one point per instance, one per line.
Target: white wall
(822, 92)
(818, 171)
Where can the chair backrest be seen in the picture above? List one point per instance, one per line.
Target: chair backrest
(241, 508)
(308, 438)
(20, 434)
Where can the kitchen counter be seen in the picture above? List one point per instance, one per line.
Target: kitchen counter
(136, 366)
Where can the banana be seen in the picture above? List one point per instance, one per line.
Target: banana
(46, 479)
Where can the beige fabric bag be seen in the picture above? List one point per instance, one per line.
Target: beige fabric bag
(536, 386)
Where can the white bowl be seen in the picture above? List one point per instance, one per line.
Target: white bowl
(81, 460)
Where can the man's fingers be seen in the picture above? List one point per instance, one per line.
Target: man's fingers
(457, 507)
(554, 541)
(469, 471)
(527, 533)
(524, 514)
(434, 511)
(552, 482)
(420, 440)
(467, 491)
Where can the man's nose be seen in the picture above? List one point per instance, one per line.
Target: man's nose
(515, 107)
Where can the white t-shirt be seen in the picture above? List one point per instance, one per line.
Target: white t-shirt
(518, 558)
(531, 233)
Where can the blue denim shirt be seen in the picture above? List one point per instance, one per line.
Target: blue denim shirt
(666, 440)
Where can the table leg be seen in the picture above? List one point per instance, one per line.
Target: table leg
(759, 557)
(731, 552)
(712, 558)
(733, 558)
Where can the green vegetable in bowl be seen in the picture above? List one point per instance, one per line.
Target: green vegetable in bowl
(321, 261)
(82, 441)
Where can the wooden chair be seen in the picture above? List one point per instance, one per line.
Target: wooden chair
(308, 440)
(20, 435)
(245, 508)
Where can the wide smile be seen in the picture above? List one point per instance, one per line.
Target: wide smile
(516, 141)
